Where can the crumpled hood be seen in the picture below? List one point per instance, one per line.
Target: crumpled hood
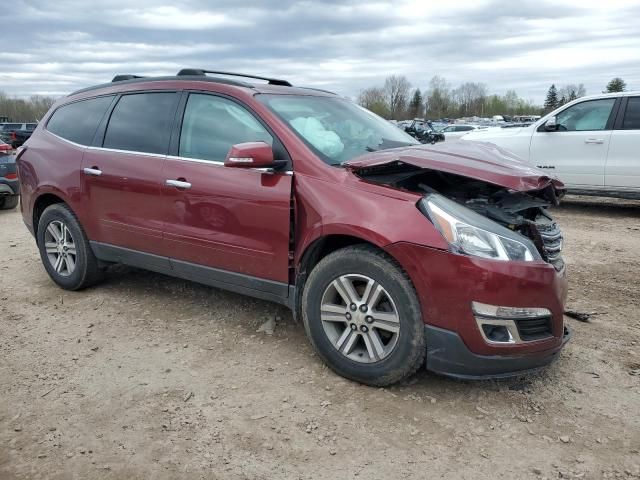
(478, 160)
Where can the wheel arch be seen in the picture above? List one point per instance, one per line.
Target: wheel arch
(41, 203)
(319, 248)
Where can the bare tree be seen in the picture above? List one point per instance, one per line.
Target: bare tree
(374, 99)
(397, 90)
(439, 99)
(21, 110)
(570, 92)
(470, 97)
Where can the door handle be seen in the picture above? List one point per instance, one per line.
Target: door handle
(597, 141)
(178, 184)
(95, 171)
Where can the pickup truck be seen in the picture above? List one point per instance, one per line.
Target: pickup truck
(590, 144)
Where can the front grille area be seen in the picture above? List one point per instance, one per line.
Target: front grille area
(534, 328)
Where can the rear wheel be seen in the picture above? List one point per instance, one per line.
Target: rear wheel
(362, 315)
(9, 201)
(64, 249)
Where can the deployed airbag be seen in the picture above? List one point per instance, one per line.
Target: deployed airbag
(327, 141)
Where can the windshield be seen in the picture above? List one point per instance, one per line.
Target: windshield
(336, 129)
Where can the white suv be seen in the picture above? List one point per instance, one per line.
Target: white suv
(592, 144)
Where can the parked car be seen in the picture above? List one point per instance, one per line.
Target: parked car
(456, 131)
(423, 131)
(389, 251)
(9, 184)
(8, 129)
(18, 137)
(590, 144)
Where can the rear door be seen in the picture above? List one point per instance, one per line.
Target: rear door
(122, 172)
(623, 162)
(576, 153)
(229, 225)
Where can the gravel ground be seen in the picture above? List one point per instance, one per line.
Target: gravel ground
(146, 376)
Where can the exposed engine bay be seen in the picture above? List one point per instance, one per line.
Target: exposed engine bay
(522, 212)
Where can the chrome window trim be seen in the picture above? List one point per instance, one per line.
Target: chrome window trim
(65, 140)
(215, 163)
(128, 152)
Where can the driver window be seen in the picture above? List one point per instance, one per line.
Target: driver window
(212, 125)
(586, 116)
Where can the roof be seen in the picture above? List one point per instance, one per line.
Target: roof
(272, 85)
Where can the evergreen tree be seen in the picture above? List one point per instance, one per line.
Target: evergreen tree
(616, 85)
(415, 105)
(551, 101)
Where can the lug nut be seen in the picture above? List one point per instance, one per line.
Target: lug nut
(354, 327)
(348, 315)
(369, 319)
(363, 308)
(364, 328)
(353, 307)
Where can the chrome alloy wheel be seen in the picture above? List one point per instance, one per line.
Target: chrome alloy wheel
(60, 248)
(360, 318)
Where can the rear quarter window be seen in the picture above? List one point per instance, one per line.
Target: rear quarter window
(78, 121)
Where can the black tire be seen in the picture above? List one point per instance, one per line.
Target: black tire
(9, 201)
(409, 352)
(87, 271)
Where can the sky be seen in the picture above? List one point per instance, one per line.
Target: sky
(55, 47)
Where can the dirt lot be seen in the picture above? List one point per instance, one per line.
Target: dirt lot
(151, 377)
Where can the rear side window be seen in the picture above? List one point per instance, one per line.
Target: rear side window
(212, 125)
(632, 115)
(141, 122)
(78, 121)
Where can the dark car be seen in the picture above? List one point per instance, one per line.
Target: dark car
(389, 251)
(9, 184)
(15, 134)
(423, 131)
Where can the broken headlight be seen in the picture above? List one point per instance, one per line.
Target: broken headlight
(470, 233)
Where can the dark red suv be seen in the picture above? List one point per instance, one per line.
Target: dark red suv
(390, 251)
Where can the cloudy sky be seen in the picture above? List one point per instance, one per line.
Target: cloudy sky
(54, 47)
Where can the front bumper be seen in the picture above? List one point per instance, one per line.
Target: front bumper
(9, 187)
(447, 283)
(448, 355)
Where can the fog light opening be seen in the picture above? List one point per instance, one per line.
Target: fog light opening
(497, 333)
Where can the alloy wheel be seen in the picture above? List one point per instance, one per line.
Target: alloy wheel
(360, 318)
(60, 248)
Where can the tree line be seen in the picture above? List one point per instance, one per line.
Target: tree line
(397, 99)
(31, 109)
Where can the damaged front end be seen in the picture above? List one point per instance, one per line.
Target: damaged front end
(478, 216)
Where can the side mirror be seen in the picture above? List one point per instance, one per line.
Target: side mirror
(550, 125)
(250, 155)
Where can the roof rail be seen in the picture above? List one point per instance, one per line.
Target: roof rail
(200, 72)
(120, 78)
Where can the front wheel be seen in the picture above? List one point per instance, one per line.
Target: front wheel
(362, 315)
